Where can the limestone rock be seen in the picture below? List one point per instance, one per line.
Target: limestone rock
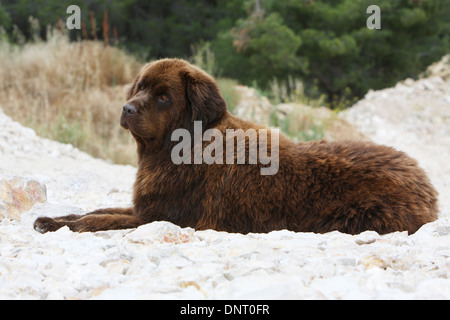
(252, 106)
(18, 195)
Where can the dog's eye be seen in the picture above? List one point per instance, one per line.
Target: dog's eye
(163, 98)
(140, 86)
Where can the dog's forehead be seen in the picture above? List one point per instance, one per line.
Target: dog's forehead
(162, 71)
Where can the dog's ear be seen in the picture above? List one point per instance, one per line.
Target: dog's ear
(205, 103)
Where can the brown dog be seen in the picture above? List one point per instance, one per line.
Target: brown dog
(316, 187)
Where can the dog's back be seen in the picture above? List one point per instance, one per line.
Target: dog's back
(356, 186)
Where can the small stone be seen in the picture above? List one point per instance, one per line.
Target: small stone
(19, 195)
(373, 261)
(346, 261)
(443, 230)
(366, 237)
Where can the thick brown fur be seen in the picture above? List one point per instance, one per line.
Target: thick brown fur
(319, 187)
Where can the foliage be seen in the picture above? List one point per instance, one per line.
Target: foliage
(5, 19)
(155, 29)
(325, 44)
(72, 92)
(228, 91)
(331, 46)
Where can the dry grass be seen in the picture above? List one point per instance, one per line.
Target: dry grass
(71, 92)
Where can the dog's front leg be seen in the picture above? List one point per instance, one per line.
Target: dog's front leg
(98, 220)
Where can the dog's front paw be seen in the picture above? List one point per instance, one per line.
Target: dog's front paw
(45, 224)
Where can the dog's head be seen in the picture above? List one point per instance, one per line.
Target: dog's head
(169, 94)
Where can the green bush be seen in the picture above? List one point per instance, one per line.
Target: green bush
(324, 43)
(328, 45)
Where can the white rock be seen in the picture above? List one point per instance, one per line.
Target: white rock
(367, 237)
(18, 195)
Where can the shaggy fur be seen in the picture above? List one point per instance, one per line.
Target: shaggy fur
(320, 186)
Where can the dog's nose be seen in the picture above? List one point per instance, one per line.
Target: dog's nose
(128, 110)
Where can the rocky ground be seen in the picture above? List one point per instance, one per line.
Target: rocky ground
(161, 260)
